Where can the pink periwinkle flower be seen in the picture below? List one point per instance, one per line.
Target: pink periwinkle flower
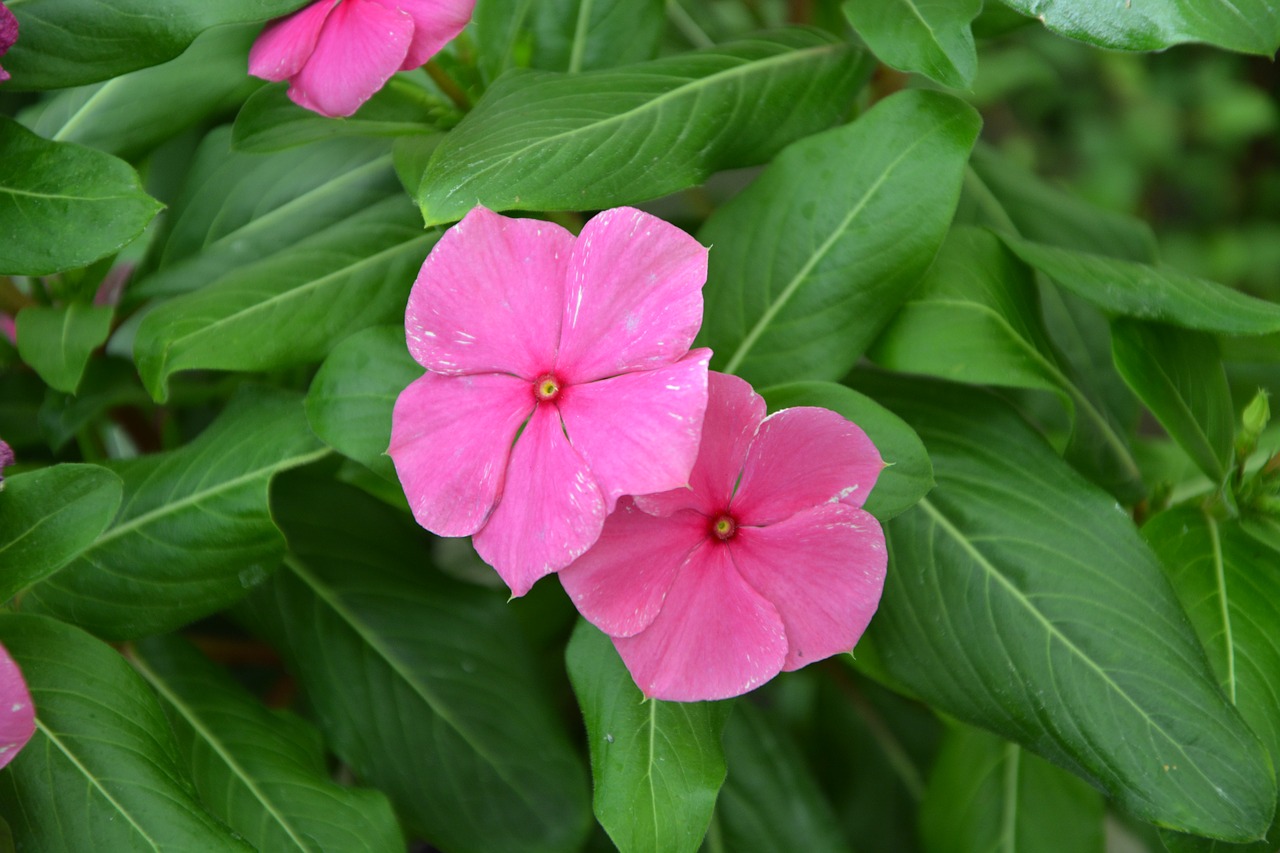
(766, 563)
(8, 35)
(559, 378)
(337, 53)
(17, 714)
(6, 459)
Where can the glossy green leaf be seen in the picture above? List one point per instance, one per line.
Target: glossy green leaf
(194, 533)
(63, 206)
(1019, 599)
(423, 685)
(1178, 373)
(57, 342)
(292, 307)
(924, 36)
(102, 771)
(238, 208)
(584, 35)
(547, 141)
(908, 475)
(352, 396)
(502, 35)
(986, 793)
(68, 42)
(1146, 292)
(657, 766)
(813, 258)
(261, 772)
(50, 515)
(1249, 26)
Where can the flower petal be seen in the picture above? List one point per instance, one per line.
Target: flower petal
(634, 298)
(823, 569)
(715, 636)
(435, 24)
(801, 458)
(551, 510)
(619, 584)
(17, 713)
(733, 413)
(285, 44)
(640, 431)
(450, 440)
(489, 297)
(359, 48)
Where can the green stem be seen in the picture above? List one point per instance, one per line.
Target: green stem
(687, 26)
(447, 85)
(893, 750)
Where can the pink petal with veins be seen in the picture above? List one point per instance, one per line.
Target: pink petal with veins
(360, 46)
(17, 713)
(435, 24)
(286, 44)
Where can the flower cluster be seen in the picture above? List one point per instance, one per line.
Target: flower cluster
(564, 422)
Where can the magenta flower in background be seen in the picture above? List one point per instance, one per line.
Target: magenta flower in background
(8, 35)
(767, 563)
(578, 346)
(17, 714)
(6, 459)
(337, 53)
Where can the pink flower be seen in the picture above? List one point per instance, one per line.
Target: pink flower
(8, 35)
(767, 563)
(580, 347)
(337, 53)
(17, 714)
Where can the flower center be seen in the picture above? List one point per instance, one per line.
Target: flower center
(547, 388)
(724, 527)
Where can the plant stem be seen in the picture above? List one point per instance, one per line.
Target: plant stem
(447, 85)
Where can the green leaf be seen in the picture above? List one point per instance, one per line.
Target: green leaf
(423, 685)
(131, 114)
(771, 803)
(48, 516)
(502, 35)
(69, 43)
(929, 38)
(988, 794)
(263, 773)
(909, 475)
(1019, 599)
(107, 383)
(1248, 26)
(57, 342)
(238, 208)
(351, 399)
(63, 206)
(585, 35)
(194, 532)
(1178, 373)
(656, 765)
(102, 772)
(637, 133)
(817, 254)
(1146, 292)
(290, 308)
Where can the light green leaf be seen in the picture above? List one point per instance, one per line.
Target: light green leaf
(423, 685)
(193, 534)
(811, 260)
(48, 516)
(102, 771)
(261, 772)
(57, 342)
(584, 35)
(1019, 599)
(930, 37)
(656, 765)
(63, 206)
(637, 133)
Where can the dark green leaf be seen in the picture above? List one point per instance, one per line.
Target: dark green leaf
(107, 383)
(57, 342)
(584, 35)
(425, 686)
(102, 772)
(818, 253)
(1019, 599)
(656, 765)
(909, 475)
(546, 141)
(986, 793)
(932, 39)
(262, 773)
(68, 42)
(194, 532)
(50, 515)
(1178, 373)
(63, 206)
(292, 307)
(502, 35)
